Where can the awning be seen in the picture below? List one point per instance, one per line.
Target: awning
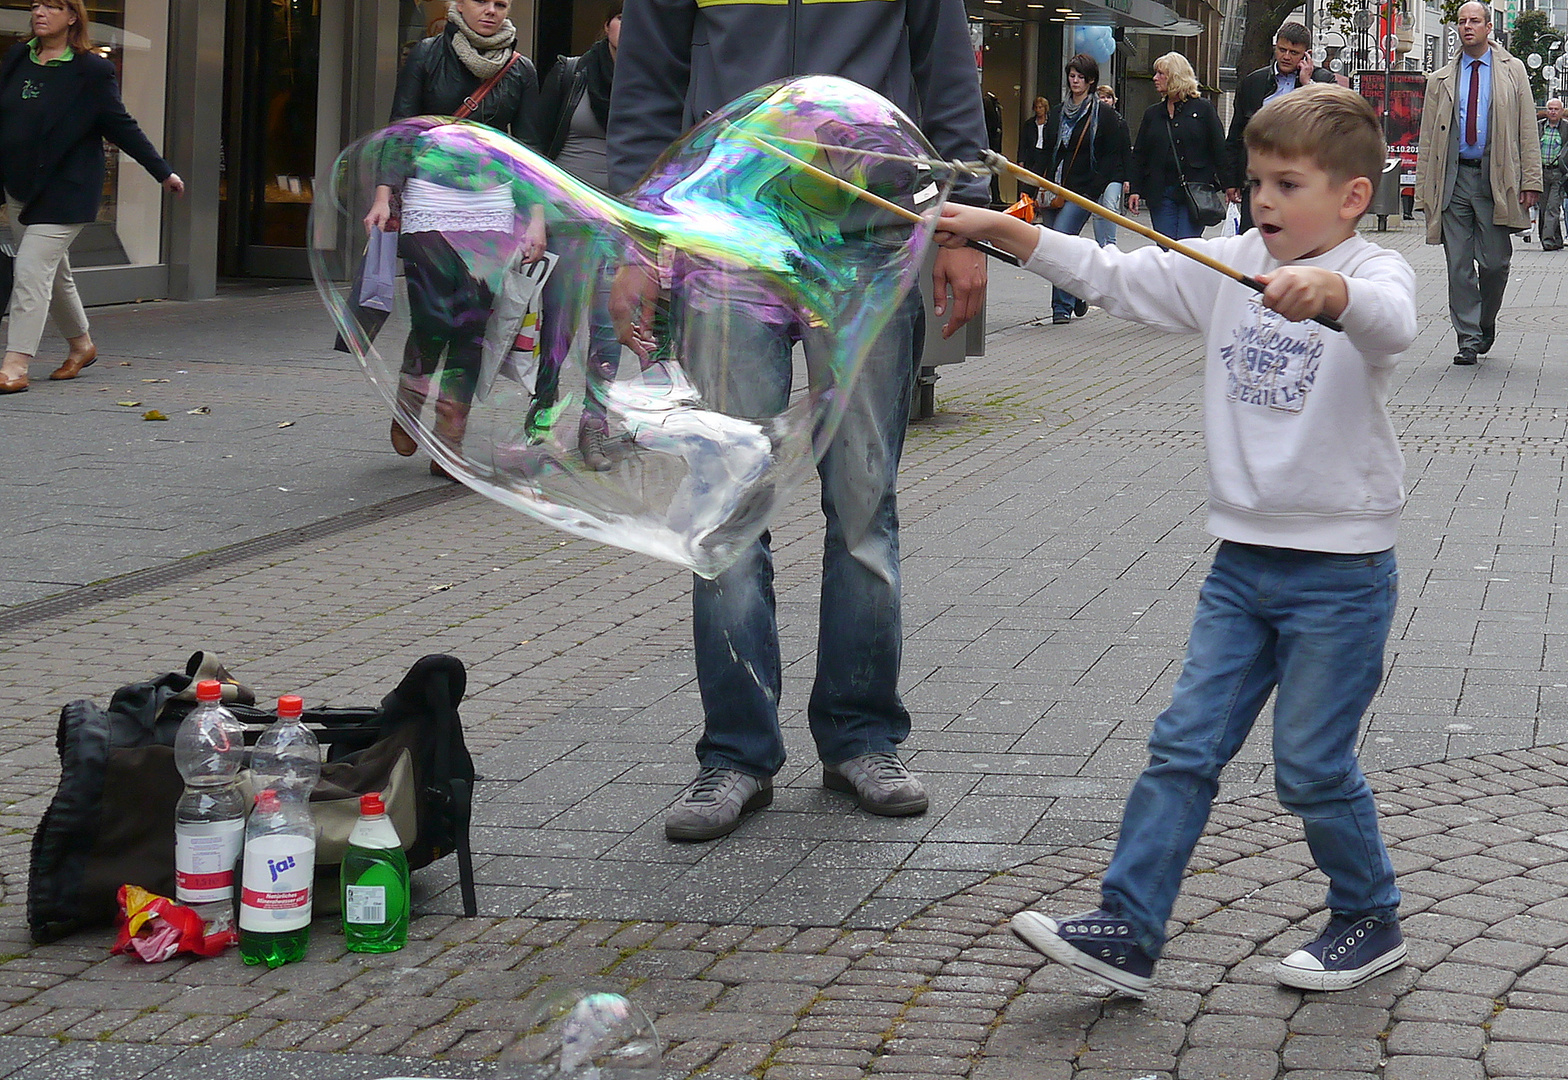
(1135, 16)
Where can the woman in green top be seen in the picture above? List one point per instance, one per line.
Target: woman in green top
(58, 103)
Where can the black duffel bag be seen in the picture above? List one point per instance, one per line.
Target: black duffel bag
(111, 821)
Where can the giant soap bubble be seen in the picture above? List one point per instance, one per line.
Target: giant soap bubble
(787, 217)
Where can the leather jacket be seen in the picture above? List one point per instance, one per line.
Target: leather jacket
(434, 82)
(564, 86)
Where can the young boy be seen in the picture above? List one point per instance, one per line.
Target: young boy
(1305, 491)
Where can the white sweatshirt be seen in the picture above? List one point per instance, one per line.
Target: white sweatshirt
(1301, 450)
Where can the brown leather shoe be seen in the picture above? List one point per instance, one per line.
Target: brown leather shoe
(402, 441)
(73, 366)
(436, 469)
(9, 385)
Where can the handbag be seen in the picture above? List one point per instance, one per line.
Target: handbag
(511, 346)
(1205, 203)
(370, 297)
(1059, 201)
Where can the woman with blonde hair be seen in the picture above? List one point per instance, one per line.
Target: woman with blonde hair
(1180, 141)
(58, 103)
(1034, 143)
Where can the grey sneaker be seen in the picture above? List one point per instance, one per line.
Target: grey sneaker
(879, 782)
(712, 804)
(591, 441)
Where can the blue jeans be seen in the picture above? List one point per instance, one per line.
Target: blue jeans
(1170, 214)
(1069, 219)
(854, 708)
(1313, 625)
(1105, 229)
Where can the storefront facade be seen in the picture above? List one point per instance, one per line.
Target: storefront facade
(252, 100)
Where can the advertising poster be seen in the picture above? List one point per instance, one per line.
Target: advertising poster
(1401, 117)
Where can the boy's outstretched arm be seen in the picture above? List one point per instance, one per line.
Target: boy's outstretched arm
(1305, 292)
(960, 224)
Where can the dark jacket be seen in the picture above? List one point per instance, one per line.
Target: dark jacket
(1251, 93)
(681, 60)
(1199, 138)
(563, 89)
(435, 82)
(1101, 158)
(66, 187)
(1030, 158)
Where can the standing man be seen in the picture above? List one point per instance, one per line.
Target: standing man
(1292, 68)
(1478, 174)
(680, 60)
(1554, 169)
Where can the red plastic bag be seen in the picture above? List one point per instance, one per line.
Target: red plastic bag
(154, 928)
(1023, 208)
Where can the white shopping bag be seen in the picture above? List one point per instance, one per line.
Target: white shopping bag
(1232, 224)
(512, 335)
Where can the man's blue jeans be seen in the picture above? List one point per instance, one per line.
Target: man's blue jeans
(1070, 220)
(1313, 625)
(1170, 215)
(854, 708)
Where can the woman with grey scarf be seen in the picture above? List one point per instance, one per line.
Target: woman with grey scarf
(449, 305)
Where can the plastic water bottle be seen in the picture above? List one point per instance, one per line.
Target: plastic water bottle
(275, 888)
(375, 882)
(209, 819)
(287, 757)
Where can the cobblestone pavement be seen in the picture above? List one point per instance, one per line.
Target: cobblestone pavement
(1053, 547)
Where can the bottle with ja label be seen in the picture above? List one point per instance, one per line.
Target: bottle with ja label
(276, 883)
(375, 882)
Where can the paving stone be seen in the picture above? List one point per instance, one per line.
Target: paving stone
(1417, 1038)
(1236, 1064)
(1433, 1068)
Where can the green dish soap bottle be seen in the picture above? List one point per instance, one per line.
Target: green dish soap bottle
(375, 882)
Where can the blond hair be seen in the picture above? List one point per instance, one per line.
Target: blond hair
(1180, 80)
(1331, 126)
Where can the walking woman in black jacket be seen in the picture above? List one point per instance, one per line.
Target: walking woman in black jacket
(573, 120)
(1088, 150)
(58, 103)
(449, 304)
(1180, 140)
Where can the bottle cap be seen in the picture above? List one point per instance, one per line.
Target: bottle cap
(370, 804)
(290, 706)
(209, 690)
(267, 801)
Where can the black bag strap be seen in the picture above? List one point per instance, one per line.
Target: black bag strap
(1170, 132)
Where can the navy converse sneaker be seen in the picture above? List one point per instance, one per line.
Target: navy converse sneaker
(1348, 953)
(1096, 944)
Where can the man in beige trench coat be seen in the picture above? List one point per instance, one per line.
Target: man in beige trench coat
(1478, 174)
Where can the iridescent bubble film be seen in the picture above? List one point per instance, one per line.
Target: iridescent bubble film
(584, 1034)
(797, 217)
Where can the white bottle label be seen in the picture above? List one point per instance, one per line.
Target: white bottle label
(275, 890)
(365, 905)
(204, 856)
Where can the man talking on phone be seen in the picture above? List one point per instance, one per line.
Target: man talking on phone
(1292, 68)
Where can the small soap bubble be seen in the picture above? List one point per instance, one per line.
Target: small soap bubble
(586, 1035)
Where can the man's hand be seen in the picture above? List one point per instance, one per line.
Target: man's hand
(1132, 204)
(964, 271)
(1304, 72)
(632, 298)
(1305, 292)
(1528, 199)
(1233, 195)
